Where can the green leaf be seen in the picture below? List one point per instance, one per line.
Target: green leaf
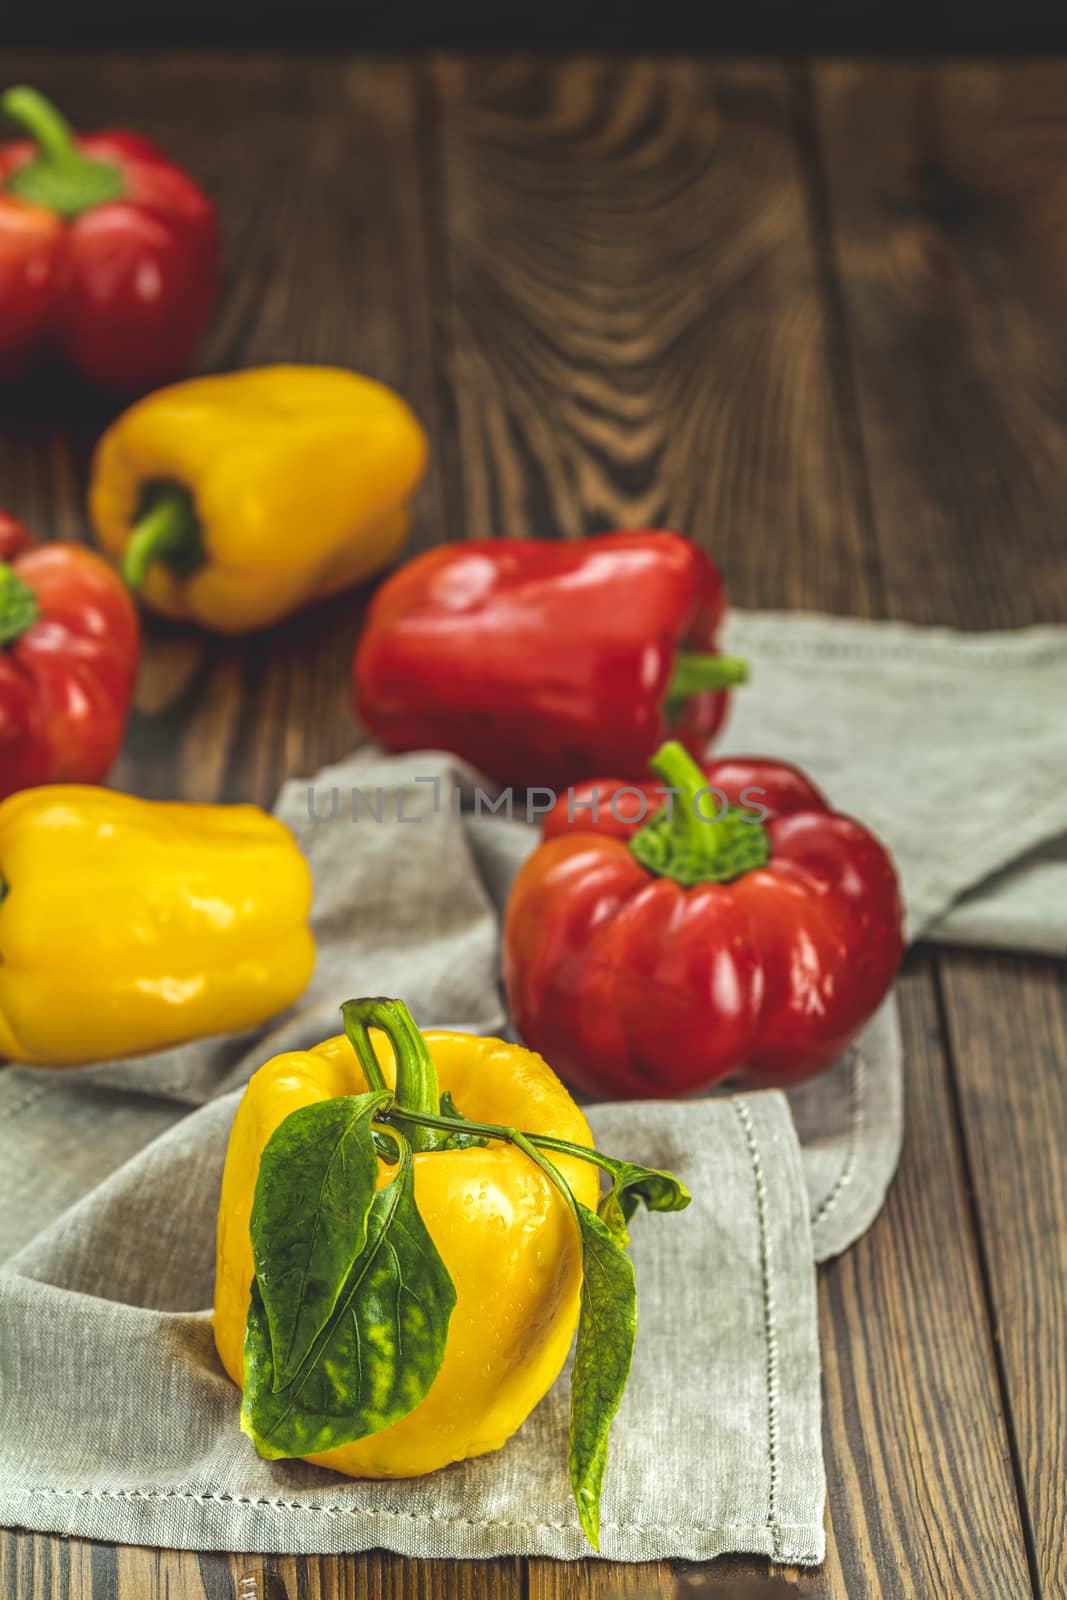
(309, 1218)
(614, 1218)
(658, 1191)
(458, 1140)
(607, 1327)
(378, 1354)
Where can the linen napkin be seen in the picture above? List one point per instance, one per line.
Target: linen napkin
(115, 1419)
(952, 747)
(118, 1422)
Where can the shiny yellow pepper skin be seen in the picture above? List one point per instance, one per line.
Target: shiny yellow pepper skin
(503, 1230)
(255, 493)
(129, 925)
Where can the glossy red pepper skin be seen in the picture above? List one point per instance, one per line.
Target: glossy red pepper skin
(66, 682)
(635, 987)
(541, 661)
(122, 291)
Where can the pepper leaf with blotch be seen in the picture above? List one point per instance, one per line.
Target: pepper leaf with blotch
(378, 1351)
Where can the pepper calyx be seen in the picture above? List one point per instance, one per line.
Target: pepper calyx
(18, 606)
(59, 177)
(684, 842)
(166, 530)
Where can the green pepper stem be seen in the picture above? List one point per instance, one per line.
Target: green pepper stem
(168, 531)
(417, 1091)
(582, 1152)
(45, 124)
(59, 176)
(700, 674)
(524, 1143)
(490, 1130)
(430, 1119)
(701, 834)
(18, 606)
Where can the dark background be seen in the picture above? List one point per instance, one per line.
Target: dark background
(1002, 27)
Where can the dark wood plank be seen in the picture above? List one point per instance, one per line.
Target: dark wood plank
(378, 1576)
(636, 331)
(37, 1567)
(598, 1580)
(730, 1578)
(946, 189)
(950, 233)
(312, 161)
(914, 1440)
(1008, 1027)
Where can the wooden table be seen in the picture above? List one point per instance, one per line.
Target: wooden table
(816, 316)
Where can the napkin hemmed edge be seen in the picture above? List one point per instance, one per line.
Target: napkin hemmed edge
(223, 1523)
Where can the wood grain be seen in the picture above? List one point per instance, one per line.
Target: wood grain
(949, 230)
(1007, 1023)
(731, 1578)
(600, 1580)
(947, 187)
(380, 1576)
(36, 1567)
(915, 1442)
(635, 330)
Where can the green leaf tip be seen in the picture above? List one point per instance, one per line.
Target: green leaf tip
(607, 1329)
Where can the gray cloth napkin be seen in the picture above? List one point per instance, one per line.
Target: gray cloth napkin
(952, 747)
(115, 1419)
(120, 1425)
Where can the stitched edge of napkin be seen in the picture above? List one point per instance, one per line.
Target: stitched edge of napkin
(874, 1066)
(220, 1522)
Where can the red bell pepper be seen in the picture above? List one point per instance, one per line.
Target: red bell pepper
(109, 254)
(702, 947)
(545, 661)
(69, 643)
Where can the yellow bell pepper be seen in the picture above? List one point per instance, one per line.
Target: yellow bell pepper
(310, 1311)
(233, 500)
(128, 925)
